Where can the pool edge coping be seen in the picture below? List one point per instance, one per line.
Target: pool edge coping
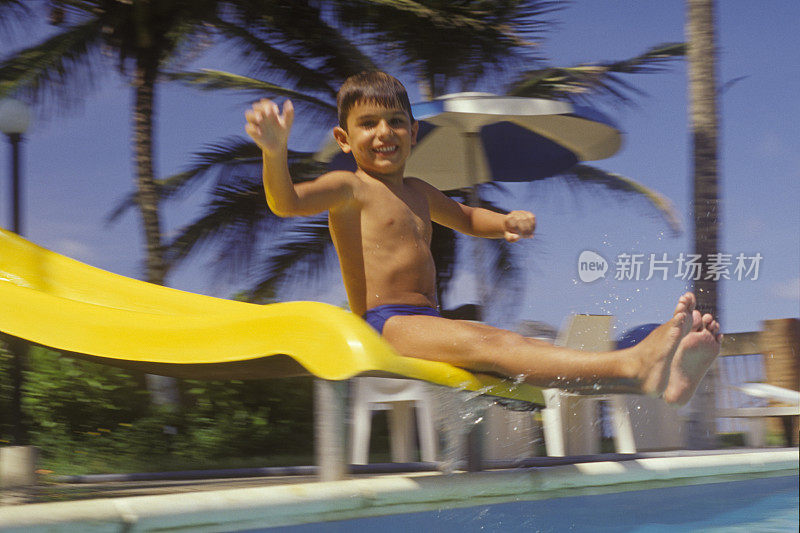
(274, 506)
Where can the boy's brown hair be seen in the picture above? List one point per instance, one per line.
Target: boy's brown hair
(371, 86)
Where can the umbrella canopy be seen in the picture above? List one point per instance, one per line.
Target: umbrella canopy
(470, 138)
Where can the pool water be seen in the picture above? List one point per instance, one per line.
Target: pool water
(769, 504)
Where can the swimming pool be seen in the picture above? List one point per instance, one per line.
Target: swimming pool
(714, 491)
(769, 504)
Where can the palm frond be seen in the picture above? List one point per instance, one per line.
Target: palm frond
(231, 159)
(62, 66)
(475, 17)
(304, 29)
(189, 41)
(496, 262)
(266, 59)
(128, 202)
(226, 157)
(443, 249)
(479, 37)
(576, 83)
(236, 220)
(730, 83)
(227, 162)
(501, 263)
(587, 174)
(305, 253)
(213, 80)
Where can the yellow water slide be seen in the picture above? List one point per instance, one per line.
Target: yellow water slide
(57, 302)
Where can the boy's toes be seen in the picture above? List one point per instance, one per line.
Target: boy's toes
(697, 321)
(682, 305)
(679, 319)
(685, 304)
(691, 300)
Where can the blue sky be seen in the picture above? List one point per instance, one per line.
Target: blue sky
(78, 165)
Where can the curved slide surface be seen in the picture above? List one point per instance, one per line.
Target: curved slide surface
(57, 302)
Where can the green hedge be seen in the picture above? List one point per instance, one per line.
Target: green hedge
(89, 417)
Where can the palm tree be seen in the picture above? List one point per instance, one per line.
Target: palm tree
(700, 34)
(143, 38)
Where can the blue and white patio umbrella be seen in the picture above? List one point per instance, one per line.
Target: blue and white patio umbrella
(470, 138)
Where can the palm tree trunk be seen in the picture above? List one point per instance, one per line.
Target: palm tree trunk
(144, 84)
(703, 101)
(18, 349)
(163, 390)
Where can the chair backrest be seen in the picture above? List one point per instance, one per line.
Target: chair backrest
(586, 332)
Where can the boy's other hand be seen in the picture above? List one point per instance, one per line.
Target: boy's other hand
(269, 126)
(519, 225)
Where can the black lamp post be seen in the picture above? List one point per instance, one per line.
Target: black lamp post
(14, 122)
(15, 117)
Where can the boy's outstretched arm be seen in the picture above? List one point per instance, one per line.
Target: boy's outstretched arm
(269, 127)
(477, 221)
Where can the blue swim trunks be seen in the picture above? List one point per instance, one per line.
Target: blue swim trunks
(377, 316)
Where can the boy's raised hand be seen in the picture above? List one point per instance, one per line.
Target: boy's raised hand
(269, 126)
(519, 225)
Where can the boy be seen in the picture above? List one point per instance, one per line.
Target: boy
(380, 221)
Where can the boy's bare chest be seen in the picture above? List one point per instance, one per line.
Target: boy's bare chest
(398, 215)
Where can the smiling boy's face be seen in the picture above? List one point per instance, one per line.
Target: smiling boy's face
(379, 137)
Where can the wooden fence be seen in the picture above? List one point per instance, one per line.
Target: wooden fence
(778, 344)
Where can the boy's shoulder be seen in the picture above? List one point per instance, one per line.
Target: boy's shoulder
(339, 175)
(418, 184)
(339, 179)
(412, 181)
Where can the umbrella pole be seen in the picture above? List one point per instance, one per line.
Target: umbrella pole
(474, 451)
(472, 146)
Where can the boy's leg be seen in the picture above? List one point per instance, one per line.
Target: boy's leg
(643, 368)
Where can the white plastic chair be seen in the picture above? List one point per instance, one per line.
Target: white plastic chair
(570, 421)
(400, 396)
(757, 416)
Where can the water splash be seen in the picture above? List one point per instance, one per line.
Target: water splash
(462, 411)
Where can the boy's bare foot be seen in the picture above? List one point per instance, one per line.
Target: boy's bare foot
(656, 351)
(693, 358)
